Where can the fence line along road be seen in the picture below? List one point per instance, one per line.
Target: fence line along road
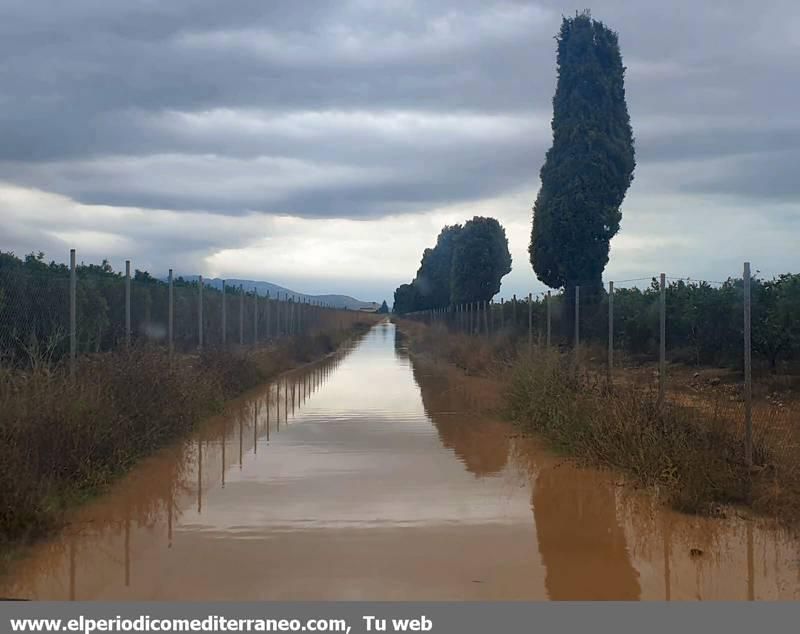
(59, 313)
(705, 323)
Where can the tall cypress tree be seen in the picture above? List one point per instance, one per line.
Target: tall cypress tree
(589, 167)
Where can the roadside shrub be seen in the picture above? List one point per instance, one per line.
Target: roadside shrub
(695, 457)
(64, 438)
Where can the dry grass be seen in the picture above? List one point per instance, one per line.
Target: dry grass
(692, 458)
(477, 356)
(64, 439)
(691, 450)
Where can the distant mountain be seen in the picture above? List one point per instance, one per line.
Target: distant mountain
(262, 288)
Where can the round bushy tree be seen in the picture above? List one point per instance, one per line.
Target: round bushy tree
(432, 282)
(480, 260)
(405, 299)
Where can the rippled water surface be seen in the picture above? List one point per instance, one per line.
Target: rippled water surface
(372, 476)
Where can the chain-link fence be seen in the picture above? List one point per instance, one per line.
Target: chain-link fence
(34, 315)
(53, 313)
(692, 341)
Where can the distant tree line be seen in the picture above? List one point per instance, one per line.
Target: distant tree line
(466, 265)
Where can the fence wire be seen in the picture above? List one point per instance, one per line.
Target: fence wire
(686, 339)
(34, 315)
(112, 310)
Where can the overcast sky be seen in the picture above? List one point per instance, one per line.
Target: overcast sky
(322, 145)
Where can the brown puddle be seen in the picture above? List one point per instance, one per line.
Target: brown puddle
(367, 476)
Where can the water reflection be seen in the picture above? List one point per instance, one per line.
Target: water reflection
(370, 475)
(455, 409)
(580, 539)
(108, 533)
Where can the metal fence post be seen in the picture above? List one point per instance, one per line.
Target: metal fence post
(73, 313)
(610, 331)
(476, 324)
(224, 314)
(255, 316)
(748, 370)
(269, 319)
(549, 318)
(128, 303)
(170, 317)
(278, 315)
(577, 351)
(530, 325)
(577, 320)
(200, 312)
(514, 314)
(662, 343)
(241, 315)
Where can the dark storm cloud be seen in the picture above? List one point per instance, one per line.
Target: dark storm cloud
(230, 107)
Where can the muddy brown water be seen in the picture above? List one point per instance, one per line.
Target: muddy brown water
(372, 476)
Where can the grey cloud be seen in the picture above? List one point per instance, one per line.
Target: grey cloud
(84, 81)
(94, 91)
(771, 176)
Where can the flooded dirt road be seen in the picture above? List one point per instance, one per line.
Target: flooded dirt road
(369, 476)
